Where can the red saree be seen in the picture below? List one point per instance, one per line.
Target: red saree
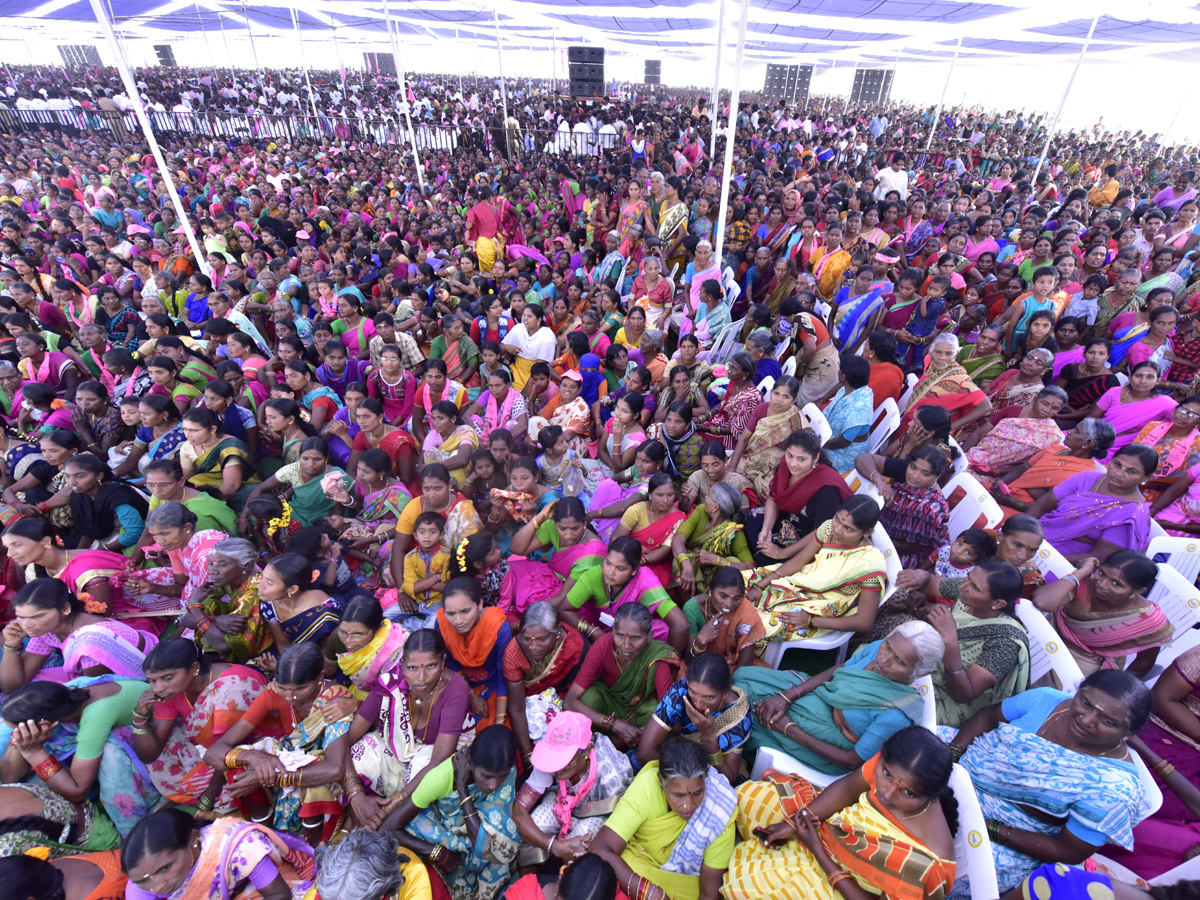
(654, 536)
(951, 389)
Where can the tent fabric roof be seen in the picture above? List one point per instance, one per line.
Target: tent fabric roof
(818, 32)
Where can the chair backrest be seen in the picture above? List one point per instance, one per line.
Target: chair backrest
(817, 421)
(770, 758)
(789, 367)
(972, 846)
(891, 558)
(977, 502)
(911, 381)
(733, 290)
(924, 685)
(1178, 598)
(782, 348)
(1050, 561)
(1153, 799)
(1182, 554)
(722, 347)
(1047, 650)
(883, 432)
(766, 386)
(960, 464)
(1157, 531)
(1122, 377)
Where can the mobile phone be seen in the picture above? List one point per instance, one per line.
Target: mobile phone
(762, 834)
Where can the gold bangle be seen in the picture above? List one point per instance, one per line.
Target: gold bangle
(836, 877)
(231, 758)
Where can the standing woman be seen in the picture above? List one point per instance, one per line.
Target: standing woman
(476, 639)
(531, 341)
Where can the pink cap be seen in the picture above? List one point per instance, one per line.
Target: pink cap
(567, 734)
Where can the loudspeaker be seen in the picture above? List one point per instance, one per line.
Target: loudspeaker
(871, 86)
(653, 79)
(166, 55)
(653, 70)
(586, 72)
(788, 83)
(383, 63)
(585, 55)
(589, 89)
(79, 54)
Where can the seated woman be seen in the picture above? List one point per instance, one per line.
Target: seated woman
(621, 579)
(805, 597)
(915, 513)
(723, 621)
(801, 841)
(448, 441)
(711, 537)
(107, 515)
(732, 415)
(295, 610)
(624, 676)
(1101, 611)
(714, 470)
(672, 832)
(500, 406)
(295, 780)
(368, 865)
(172, 528)
(375, 432)
(314, 398)
(1128, 408)
(577, 779)
(1095, 514)
(761, 444)
(49, 622)
(872, 693)
(164, 374)
(706, 708)
(946, 384)
(215, 462)
(368, 647)
(1054, 772)
(653, 523)
(166, 483)
(613, 496)
(64, 735)
(36, 816)
(304, 478)
(1177, 443)
(411, 721)
(541, 660)
(459, 819)
(560, 536)
(584, 877)
(82, 876)
(169, 854)
(1086, 381)
(682, 440)
(191, 703)
(1014, 440)
(1020, 485)
(476, 638)
(850, 413)
(227, 603)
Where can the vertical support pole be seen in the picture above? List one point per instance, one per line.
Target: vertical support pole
(304, 63)
(503, 89)
(716, 91)
(734, 93)
(938, 115)
(1063, 102)
(402, 93)
(250, 33)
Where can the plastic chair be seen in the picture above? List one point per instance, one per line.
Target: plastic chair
(789, 367)
(959, 465)
(977, 502)
(766, 386)
(891, 558)
(972, 846)
(722, 347)
(911, 381)
(883, 432)
(817, 421)
(834, 640)
(1047, 651)
(733, 290)
(1183, 554)
(1122, 377)
(1050, 561)
(1179, 600)
(1157, 531)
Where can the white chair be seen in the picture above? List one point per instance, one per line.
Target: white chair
(1183, 554)
(817, 421)
(960, 464)
(833, 640)
(1180, 602)
(891, 558)
(911, 381)
(782, 348)
(977, 502)
(1122, 377)
(1047, 651)
(865, 487)
(1050, 561)
(888, 426)
(789, 367)
(766, 386)
(722, 347)
(1157, 531)
(972, 846)
(733, 290)
(769, 758)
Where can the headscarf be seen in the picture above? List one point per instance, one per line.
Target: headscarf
(589, 368)
(790, 218)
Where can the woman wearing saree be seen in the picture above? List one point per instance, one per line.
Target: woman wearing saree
(652, 293)
(225, 606)
(1034, 751)
(560, 536)
(527, 343)
(742, 397)
(159, 437)
(798, 839)
(459, 819)
(1162, 273)
(215, 462)
(850, 413)
(710, 538)
(305, 797)
(1014, 440)
(672, 832)
(946, 384)
(1095, 514)
(476, 638)
(981, 360)
(1019, 486)
(106, 515)
(318, 401)
(569, 411)
(832, 580)
(191, 702)
(1102, 613)
(412, 719)
(653, 523)
(1086, 381)
(634, 220)
(672, 228)
(229, 860)
(53, 823)
(1119, 299)
(760, 445)
(455, 348)
(55, 369)
(449, 442)
(435, 387)
(305, 478)
(856, 310)
(1128, 408)
(374, 432)
(702, 268)
(1014, 388)
(501, 406)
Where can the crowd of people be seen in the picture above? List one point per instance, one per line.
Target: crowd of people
(433, 543)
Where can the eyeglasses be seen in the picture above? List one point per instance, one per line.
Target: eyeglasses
(1188, 413)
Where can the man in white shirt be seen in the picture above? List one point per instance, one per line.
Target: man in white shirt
(893, 178)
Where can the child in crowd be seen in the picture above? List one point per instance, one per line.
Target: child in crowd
(426, 571)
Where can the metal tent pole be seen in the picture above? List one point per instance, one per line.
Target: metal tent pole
(458, 56)
(1063, 102)
(936, 116)
(716, 91)
(1170, 128)
(394, 38)
(337, 52)
(250, 33)
(734, 92)
(503, 89)
(139, 108)
(304, 63)
(553, 61)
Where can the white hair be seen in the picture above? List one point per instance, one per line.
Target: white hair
(946, 338)
(928, 644)
(362, 867)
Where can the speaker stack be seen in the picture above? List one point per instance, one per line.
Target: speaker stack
(653, 72)
(166, 56)
(788, 83)
(586, 67)
(871, 86)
